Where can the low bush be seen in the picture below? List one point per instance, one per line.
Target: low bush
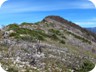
(12, 70)
(54, 37)
(57, 32)
(13, 27)
(87, 66)
(25, 23)
(29, 34)
(80, 38)
(62, 41)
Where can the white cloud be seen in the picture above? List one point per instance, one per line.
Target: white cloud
(26, 6)
(87, 23)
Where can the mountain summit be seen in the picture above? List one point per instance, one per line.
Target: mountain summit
(51, 45)
(57, 18)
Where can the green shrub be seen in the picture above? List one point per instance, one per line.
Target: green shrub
(57, 32)
(25, 23)
(29, 34)
(40, 37)
(54, 36)
(12, 70)
(87, 66)
(26, 38)
(62, 41)
(63, 36)
(13, 27)
(80, 38)
(12, 34)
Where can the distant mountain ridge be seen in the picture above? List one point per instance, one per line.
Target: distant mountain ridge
(92, 29)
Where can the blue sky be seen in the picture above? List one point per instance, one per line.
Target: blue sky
(81, 12)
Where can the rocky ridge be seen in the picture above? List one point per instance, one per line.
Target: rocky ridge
(52, 45)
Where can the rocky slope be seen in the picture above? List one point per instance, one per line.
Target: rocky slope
(52, 45)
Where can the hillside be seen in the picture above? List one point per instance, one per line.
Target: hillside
(51, 45)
